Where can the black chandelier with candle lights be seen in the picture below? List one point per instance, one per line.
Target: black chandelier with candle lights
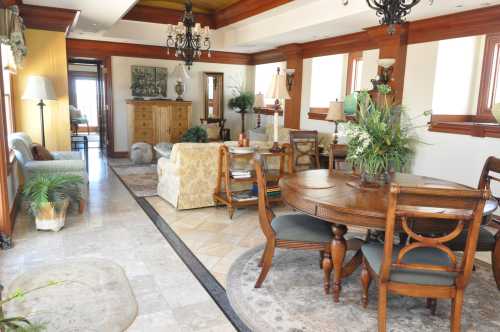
(188, 38)
(391, 12)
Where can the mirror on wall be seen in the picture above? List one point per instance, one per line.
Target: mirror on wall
(213, 89)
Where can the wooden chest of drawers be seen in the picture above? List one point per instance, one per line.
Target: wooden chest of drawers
(155, 121)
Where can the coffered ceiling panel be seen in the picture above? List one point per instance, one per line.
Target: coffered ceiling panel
(199, 6)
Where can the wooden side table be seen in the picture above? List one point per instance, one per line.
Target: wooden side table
(224, 193)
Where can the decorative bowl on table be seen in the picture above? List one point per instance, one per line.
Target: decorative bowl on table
(242, 149)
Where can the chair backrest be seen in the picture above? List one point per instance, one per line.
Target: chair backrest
(408, 206)
(266, 214)
(491, 172)
(21, 144)
(305, 150)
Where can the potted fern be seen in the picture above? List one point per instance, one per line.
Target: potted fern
(49, 196)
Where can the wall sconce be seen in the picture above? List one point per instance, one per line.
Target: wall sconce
(290, 73)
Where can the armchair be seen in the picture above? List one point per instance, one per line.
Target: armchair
(77, 118)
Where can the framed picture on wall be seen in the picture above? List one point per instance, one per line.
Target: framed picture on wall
(149, 82)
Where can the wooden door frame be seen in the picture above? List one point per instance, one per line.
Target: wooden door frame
(5, 218)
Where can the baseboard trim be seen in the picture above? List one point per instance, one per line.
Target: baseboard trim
(119, 154)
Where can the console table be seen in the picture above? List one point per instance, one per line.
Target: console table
(155, 121)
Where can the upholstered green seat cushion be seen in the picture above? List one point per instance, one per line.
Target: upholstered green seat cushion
(485, 242)
(374, 254)
(301, 227)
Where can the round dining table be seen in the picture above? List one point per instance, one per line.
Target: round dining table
(338, 198)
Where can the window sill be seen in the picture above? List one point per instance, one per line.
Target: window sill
(269, 110)
(319, 113)
(475, 129)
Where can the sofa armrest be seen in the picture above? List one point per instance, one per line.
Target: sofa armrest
(166, 167)
(67, 155)
(55, 166)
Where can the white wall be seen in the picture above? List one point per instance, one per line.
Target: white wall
(452, 157)
(121, 69)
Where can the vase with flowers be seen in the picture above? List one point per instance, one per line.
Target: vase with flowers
(380, 142)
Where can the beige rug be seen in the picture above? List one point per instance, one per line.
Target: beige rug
(94, 295)
(141, 180)
(292, 299)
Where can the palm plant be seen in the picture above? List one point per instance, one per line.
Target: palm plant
(52, 189)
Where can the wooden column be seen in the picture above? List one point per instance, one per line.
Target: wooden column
(294, 60)
(5, 221)
(393, 46)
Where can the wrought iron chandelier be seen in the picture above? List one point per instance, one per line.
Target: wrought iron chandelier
(188, 38)
(391, 12)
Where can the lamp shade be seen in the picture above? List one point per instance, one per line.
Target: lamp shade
(180, 73)
(277, 89)
(336, 111)
(386, 63)
(39, 88)
(259, 101)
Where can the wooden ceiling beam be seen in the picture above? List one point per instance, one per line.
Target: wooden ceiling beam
(81, 48)
(165, 16)
(8, 3)
(48, 18)
(244, 9)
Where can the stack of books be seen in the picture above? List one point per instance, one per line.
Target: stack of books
(273, 190)
(241, 174)
(246, 195)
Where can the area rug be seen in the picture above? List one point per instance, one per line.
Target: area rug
(292, 299)
(141, 180)
(93, 295)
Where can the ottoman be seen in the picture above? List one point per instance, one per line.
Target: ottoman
(141, 153)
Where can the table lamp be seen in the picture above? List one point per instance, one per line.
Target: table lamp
(277, 90)
(39, 88)
(336, 114)
(258, 104)
(180, 75)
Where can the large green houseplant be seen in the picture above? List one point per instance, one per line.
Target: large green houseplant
(380, 142)
(242, 103)
(49, 195)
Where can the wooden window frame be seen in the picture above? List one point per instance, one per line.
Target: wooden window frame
(482, 124)
(319, 113)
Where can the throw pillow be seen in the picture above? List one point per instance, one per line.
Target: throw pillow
(40, 152)
(213, 132)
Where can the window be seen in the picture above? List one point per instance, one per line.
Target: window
(263, 76)
(7, 72)
(86, 98)
(327, 80)
(466, 86)
(355, 72)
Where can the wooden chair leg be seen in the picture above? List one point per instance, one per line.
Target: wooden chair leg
(261, 262)
(366, 280)
(456, 311)
(495, 260)
(321, 256)
(327, 271)
(266, 264)
(432, 305)
(382, 307)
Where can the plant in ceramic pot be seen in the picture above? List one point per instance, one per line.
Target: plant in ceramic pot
(195, 135)
(49, 195)
(379, 142)
(242, 103)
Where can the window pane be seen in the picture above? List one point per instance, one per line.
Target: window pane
(86, 99)
(263, 76)
(494, 77)
(327, 79)
(457, 72)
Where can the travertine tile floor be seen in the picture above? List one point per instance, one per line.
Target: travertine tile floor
(114, 227)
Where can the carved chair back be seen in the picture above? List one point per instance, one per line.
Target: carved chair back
(491, 173)
(408, 206)
(305, 150)
(266, 214)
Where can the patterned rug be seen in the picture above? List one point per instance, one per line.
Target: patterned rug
(94, 295)
(292, 299)
(142, 180)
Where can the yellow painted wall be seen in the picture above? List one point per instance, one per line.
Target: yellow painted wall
(46, 57)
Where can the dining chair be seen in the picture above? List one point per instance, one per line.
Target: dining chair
(488, 241)
(337, 155)
(304, 146)
(424, 266)
(290, 231)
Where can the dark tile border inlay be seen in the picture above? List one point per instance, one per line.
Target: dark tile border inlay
(206, 279)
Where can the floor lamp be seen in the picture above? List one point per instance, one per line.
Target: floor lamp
(277, 90)
(39, 88)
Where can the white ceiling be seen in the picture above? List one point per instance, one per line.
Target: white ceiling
(296, 22)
